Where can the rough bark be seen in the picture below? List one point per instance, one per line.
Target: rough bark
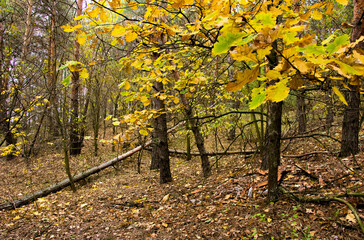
(350, 126)
(161, 137)
(155, 155)
(272, 147)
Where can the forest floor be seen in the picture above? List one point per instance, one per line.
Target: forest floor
(119, 203)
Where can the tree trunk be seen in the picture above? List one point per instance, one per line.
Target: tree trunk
(28, 29)
(232, 130)
(75, 143)
(205, 164)
(52, 70)
(188, 142)
(350, 126)
(272, 150)
(161, 138)
(301, 112)
(330, 111)
(5, 127)
(272, 147)
(155, 152)
(193, 124)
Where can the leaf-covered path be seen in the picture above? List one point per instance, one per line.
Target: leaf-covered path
(121, 204)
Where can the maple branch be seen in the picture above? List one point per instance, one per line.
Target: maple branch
(228, 113)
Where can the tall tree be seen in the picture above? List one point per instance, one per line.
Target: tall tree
(6, 21)
(75, 143)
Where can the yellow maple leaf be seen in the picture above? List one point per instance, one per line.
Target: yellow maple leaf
(84, 74)
(114, 4)
(302, 65)
(133, 6)
(81, 39)
(340, 95)
(131, 36)
(94, 12)
(243, 78)
(278, 92)
(316, 15)
(127, 85)
(118, 31)
(343, 2)
(103, 15)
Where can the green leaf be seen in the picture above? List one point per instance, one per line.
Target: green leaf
(225, 42)
(258, 98)
(143, 132)
(66, 81)
(314, 49)
(265, 19)
(337, 43)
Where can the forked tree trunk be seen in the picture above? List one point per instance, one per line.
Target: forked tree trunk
(205, 163)
(350, 126)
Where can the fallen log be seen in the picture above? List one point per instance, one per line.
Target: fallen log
(66, 182)
(180, 152)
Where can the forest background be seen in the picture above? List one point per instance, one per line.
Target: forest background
(265, 94)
